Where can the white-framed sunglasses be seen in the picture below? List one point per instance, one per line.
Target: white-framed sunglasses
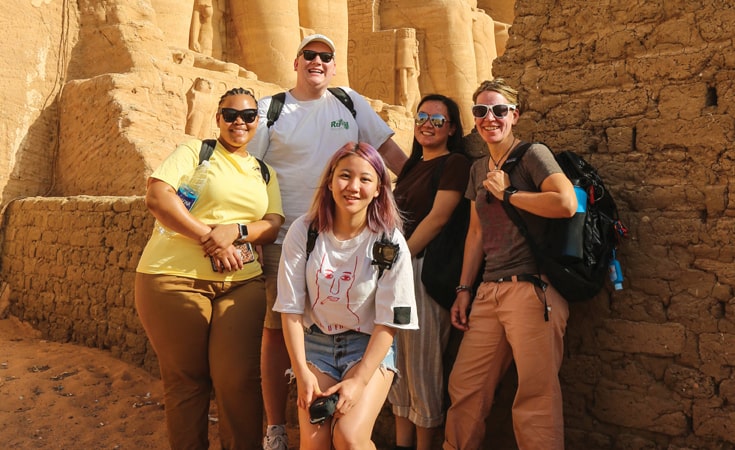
(499, 111)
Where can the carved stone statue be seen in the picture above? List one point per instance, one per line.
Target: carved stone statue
(201, 31)
(407, 69)
(483, 39)
(445, 35)
(201, 104)
(268, 35)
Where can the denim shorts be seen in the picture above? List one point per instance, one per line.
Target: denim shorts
(335, 354)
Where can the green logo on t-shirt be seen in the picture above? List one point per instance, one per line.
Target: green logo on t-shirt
(340, 124)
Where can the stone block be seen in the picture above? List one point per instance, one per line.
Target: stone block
(717, 351)
(662, 415)
(714, 421)
(666, 339)
(688, 382)
(697, 314)
(625, 103)
(656, 134)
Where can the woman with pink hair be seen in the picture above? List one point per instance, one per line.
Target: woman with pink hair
(345, 286)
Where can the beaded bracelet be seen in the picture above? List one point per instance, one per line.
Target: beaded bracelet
(462, 287)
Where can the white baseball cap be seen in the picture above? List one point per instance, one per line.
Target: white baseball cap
(315, 38)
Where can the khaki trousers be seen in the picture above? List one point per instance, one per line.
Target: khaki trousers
(206, 336)
(507, 323)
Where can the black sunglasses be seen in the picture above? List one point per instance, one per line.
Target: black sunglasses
(499, 111)
(309, 55)
(247, 115)
(437, 120)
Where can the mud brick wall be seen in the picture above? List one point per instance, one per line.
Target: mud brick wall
(69, 266)
(645, 91)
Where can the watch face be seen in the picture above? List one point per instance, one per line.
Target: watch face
(243, 231)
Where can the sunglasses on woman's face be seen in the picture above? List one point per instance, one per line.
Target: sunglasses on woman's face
(437, 120)
(309, 55)
(247, 115)
(499, 111)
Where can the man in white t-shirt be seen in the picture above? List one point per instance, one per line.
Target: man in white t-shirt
(311, 126)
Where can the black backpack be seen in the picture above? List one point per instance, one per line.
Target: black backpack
(205, 152)
(277, 101)
(600, 230)
(443, 256)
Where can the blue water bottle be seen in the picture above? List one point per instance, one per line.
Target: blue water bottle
(581, 198)
(616, 273)
(188, 191)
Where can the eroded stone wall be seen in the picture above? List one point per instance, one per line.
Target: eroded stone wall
(69, 266)
(644, 91)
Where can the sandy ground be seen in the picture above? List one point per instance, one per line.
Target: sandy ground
(69, 397)
(64, 396)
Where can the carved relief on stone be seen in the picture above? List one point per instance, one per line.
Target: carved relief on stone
(201, 103)
(483, 39)
(445, 34)
(408, 93)
(201, 31)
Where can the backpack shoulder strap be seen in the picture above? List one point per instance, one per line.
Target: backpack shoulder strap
(274, 110)
(205, 152)
(277, 101)
(515, 157)
(345, 98)
(311, 239)
(510, 210)
(264, 172)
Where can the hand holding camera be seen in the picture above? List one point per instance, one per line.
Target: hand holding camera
(322, 409)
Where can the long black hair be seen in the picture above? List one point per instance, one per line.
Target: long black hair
(454, 142)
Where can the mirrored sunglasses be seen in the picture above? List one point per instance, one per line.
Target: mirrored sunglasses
(499, 111)
(247, 115)
(309, 55)
(437, 120)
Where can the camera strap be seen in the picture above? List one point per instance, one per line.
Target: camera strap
(385, 251)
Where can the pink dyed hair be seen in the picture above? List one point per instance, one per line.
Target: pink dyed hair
(383, 215)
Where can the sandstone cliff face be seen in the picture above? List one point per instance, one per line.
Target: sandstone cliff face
(100, 93)
(113, 80)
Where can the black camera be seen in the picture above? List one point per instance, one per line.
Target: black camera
(385, 254)
(322, 409)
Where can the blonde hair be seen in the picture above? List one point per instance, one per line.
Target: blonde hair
(500, 86)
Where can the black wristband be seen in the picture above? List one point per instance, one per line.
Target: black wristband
(510, 190)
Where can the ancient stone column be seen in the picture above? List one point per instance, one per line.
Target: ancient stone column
(268, 34)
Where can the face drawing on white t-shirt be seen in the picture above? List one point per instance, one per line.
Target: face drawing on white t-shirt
(333, 290)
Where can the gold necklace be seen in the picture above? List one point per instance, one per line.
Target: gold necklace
(497, 163)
